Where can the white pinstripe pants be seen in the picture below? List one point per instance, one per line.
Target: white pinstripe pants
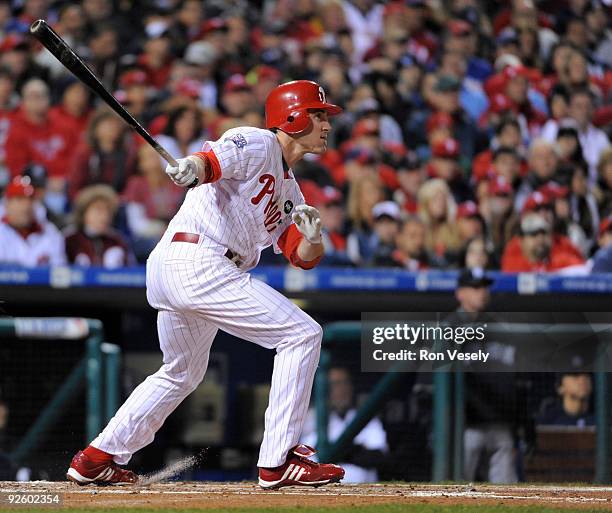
(198, 291)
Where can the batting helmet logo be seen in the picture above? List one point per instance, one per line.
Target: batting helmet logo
(288, 104)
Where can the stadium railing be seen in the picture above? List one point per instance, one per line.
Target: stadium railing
(98, 370)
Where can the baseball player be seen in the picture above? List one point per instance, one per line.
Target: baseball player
(197, 277)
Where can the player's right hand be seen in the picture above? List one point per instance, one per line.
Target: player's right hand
(184, 174)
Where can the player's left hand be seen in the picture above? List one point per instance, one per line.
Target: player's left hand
(185, 174)
(308, 222)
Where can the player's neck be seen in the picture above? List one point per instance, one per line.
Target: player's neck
(292, 151)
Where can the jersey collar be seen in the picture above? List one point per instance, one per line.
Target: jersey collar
(287, 174)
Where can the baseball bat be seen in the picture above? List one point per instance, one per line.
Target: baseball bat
(66, 55)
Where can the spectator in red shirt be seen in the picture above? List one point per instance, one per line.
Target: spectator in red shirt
(93, 241)
(536, 250)
(74, 111)
(156, 60)
(107, 156)
(34, 138)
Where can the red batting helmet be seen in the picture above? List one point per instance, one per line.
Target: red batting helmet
(287, 105)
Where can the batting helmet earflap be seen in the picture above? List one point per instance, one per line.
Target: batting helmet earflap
(287, 105)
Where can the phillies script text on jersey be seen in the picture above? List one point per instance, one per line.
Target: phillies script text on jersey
(273, 214)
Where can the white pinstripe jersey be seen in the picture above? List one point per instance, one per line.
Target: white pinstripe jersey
(250, 206)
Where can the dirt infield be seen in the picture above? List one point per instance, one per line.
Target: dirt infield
(246, 494)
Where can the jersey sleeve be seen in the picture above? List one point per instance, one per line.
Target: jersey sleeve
(240, 154)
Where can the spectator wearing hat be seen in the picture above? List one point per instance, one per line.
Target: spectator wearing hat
(92, 241)
(442, 94)
(593, 140)
(528, 104)
(329, 202)
(236, 100)
(437, 210)
(24, 240)
(507, 135)
(151, 200)
(183, 92)
(366, 134)
(365, 191)
(444, 164)
(34, 138)
(537, 250)
(469, 221)
(472, 97)
(602, 259)
(495, 200)
(410, 175)
(361, 161)
(558, 204)
(543, 162)
(214, 31)
(49, 205)
(16, 56)
(506, 163)
(492, 406)
(263, 79)
(134, 94)
(107, 155)
(74, 110)
(385, 226)
(439, 127)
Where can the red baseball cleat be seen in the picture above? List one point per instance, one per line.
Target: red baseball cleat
(84, 470)
(299, 470)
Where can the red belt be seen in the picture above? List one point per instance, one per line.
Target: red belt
(194, 238)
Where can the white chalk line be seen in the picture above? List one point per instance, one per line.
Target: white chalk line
(404, 492)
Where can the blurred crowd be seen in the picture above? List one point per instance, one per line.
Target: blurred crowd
(475, 134)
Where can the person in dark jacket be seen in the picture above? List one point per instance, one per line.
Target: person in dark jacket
(93, 241)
